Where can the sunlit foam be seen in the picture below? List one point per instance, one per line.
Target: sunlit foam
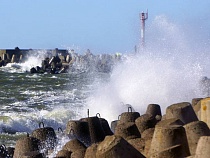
(34, 59)
(167, 71)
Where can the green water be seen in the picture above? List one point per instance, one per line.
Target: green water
(26, 99)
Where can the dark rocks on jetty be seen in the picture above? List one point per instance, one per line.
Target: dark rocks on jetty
(180, 134)
(60, 61)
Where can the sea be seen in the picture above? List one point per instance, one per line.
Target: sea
(165, 72)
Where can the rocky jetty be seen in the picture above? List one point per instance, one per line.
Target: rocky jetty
(183, 131)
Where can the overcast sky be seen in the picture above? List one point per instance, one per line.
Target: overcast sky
(103, 26)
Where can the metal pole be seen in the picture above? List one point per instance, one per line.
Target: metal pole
(143, 17)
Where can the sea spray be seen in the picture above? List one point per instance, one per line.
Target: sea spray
(167, 71)
(33, 59)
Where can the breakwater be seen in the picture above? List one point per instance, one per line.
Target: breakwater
(183, 131)
(20, 55)
(59, 60)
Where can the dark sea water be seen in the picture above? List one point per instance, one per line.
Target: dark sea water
(54, 99)
(170, 70)
(27, 99)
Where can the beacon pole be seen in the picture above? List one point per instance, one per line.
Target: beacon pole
(143, 17)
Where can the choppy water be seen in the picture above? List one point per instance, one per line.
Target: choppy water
(168, 71)
(26, 99)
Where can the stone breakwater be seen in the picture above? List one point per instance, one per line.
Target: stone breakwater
(182, 132)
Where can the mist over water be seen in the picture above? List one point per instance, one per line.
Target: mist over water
(167, 71)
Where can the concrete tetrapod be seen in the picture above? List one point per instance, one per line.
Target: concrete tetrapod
(116, 147)
(172, 152)
(64, 153)
(47, 137)
(113, 125)
(166, 137)
(127, 130)
(96, 131)
(203, 147)
(79, 130)
(182, 111)
(205, 111)
(170, 122)
(78, 153)
(138, 144)
(105, 126)
(27, 146)
(195, 101)
(128, 116)
(144, 122)
(194, 131)
(91, 151)
(148, 133)
(154, 110)
(74, 145)
(147, 136)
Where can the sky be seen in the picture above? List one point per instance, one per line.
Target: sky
(103, 26)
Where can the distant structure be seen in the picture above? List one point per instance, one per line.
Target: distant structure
(143, 17)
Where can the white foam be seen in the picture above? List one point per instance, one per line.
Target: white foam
(166, 72)
(33, 60)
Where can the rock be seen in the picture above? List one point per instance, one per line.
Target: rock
(33, 70)
(3, 151)
(10, 151)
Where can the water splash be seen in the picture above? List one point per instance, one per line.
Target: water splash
(34, 59)
(166, 72)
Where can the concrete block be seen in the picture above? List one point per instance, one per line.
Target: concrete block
(116, 147)
(205, 111)
(127, 130)
(182, 111)
(203, 147)
(168, 136)
(194, 131)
